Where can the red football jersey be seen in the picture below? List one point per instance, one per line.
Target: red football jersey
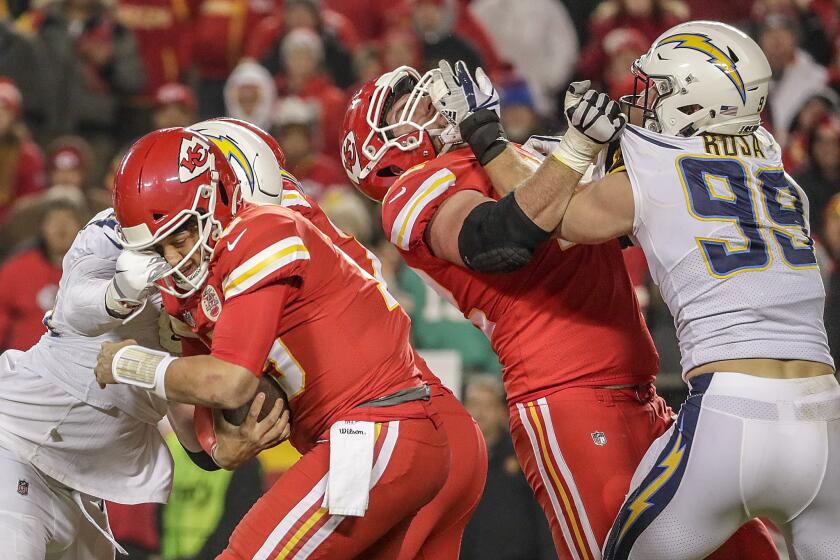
(569, 317)
(300, 202)
(341, 338)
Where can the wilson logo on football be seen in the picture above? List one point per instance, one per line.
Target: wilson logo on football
(195, 158)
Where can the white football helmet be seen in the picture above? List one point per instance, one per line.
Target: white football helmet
(255, 157)
(701, 76)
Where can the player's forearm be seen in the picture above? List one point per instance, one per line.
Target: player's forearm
(181, 419)
(209, 381)
(545, 195)
(508, 170)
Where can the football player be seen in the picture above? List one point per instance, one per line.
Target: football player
(374, 450)
(256, 157)
(701, 187)
(578, 360)
(65, 444)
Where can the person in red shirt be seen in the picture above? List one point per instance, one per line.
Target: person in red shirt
(274, 271)
(30, 278)
(21, 161)
(579, 363)
(294, 129)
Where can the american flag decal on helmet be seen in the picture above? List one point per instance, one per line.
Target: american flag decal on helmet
(728, 110)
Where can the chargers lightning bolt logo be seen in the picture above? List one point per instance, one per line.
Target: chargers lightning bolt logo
(642, 502)
(234, 153)
(702, 43)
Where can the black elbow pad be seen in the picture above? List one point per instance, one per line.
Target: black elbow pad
(498, 237)
(202, 460)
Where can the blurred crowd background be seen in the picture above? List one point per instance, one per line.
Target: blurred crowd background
(81, 79)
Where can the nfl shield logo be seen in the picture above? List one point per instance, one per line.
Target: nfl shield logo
(23, 487)
(600, 438)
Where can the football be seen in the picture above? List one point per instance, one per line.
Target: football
(272, 390)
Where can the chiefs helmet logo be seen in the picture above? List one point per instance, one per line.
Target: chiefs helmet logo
(195, 158)
(350, 156)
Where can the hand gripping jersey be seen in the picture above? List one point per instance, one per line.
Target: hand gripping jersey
(726, 235)
(570, 317)
(341, 340)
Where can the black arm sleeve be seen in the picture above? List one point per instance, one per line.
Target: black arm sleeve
(498, 237)
(202, 460)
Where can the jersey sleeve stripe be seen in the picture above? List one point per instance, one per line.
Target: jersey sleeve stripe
(264, 263)
(433, 187)
(293, 198)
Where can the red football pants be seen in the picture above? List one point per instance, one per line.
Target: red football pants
(435, 534)
(579, 448)
(410, 466)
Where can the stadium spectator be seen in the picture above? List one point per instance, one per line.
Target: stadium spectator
(250, 93)
(370, 17)
(219, 35)
(68, 163)
(545, 56)
(21, 161)
(338, 38)
(813, 27)
(796, 77)
(22, 63)
(508, 524)
(519, 114)
(434, 23)
(400, 48)
(820, 107)
(348, 212)
(821, 179)
(303, 55)
(622, 46)
(295, 128)
(175, 105)
(30, 278)
(205, 507)
(648, 17)
(831, 241)
(92, 64)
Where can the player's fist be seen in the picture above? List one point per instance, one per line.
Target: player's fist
(594, 121)
(597, 117)
(133, 280)
(542, 145)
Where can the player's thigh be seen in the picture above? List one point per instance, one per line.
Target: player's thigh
(436, 530)
(685, 498)
(26, 509)
(88, 542)
(815, 533)
(411, 462)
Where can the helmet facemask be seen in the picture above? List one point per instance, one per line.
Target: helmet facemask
(175, 282)
(389, 89)
(648, 91)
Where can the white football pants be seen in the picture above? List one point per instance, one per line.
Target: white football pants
(41, 519)
(742, 447)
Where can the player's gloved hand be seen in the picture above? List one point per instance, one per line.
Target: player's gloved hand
(471, 106)
(236, 445)
(542, 145)
(456, 95)
(594, 119)
(133, 281)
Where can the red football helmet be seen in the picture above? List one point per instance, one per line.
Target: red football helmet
(366, 138)
(166, 178)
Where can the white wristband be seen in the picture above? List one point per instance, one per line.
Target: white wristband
(576, 151)
(142, 367)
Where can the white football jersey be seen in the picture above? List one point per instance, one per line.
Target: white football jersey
(726, 235)
(109, 446)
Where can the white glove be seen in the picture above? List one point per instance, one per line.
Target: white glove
(133, 281)
(594, 119)
(456, 95)
(542, 145)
